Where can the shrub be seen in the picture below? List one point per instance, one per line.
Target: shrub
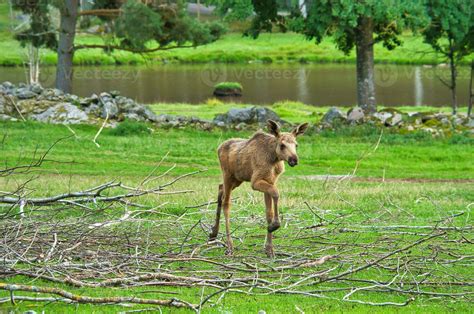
(131, 128)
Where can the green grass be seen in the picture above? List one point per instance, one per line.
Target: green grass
(228, 85)
(234, 48)
(398, 156)
(129, 156)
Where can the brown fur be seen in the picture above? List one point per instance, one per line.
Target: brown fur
(260, 161)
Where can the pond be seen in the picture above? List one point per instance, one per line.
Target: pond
(314, 84)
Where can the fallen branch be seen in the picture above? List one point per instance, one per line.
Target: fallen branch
(95, 300)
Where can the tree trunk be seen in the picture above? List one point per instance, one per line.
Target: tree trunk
(302, 6)
(452, 67)
(33, 64)
(67, 32)
(471, 92)
(365, 65)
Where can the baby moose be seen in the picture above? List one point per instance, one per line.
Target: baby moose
(260, 161)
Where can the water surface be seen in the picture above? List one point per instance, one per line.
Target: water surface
(314, 84)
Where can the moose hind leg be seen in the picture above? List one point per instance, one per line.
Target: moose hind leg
(228, 186)
(215, 229)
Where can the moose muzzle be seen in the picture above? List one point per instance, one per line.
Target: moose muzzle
(293, 161)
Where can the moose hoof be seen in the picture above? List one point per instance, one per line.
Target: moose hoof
(212, 236)
(273, 226)
(269, 251)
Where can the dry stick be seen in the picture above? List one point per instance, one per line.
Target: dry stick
(368, 265)
(94, 300)
(101, 128)
(16, 107)
(367, 154)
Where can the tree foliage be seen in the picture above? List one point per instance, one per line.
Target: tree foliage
(451, 29)
(40, 32)
(340, 19)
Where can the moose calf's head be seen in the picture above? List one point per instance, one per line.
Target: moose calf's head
(286, 142)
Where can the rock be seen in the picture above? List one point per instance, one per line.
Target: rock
(382, 116)
(149, 114)
(410, 128)
(29, 107)
(94, 109)
(333, 114)
(109, 108)
(4, 117)
(247, 115)
(397, 118)
(8, 85)
(235, 115)
(470, 123)
(355, 115)
(264, 114)
(3, 104)
(132, 116)
(62, 113)
(36, 88)
(228, 90)
(24, 93)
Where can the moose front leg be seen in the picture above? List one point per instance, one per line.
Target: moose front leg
(273, 220)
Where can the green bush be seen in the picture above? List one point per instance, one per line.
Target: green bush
(131, 128)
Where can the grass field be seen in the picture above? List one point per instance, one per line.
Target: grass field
(413, 181)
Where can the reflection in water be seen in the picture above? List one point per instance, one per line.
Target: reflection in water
(418, 87)
(314, 84)
(302, 85)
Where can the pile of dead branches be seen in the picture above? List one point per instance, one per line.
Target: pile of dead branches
(105, 237)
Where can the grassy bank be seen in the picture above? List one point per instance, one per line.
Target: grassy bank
(394, 198)
(232, 48)
(290, 111)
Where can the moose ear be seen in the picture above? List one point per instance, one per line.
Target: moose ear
(273, 128)
(300, 129)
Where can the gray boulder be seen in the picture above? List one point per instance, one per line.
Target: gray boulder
(4, 117)
(355, 115)
(396, 119)
(24, 93)
(247, 115)
(332, 115)
(382, 116)
(109, 108)
(470, 123)
(62, 113)
(36, 88)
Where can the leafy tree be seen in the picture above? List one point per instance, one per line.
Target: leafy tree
(358, 24)
(137, 26)
(451, 33)
(39, 34)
